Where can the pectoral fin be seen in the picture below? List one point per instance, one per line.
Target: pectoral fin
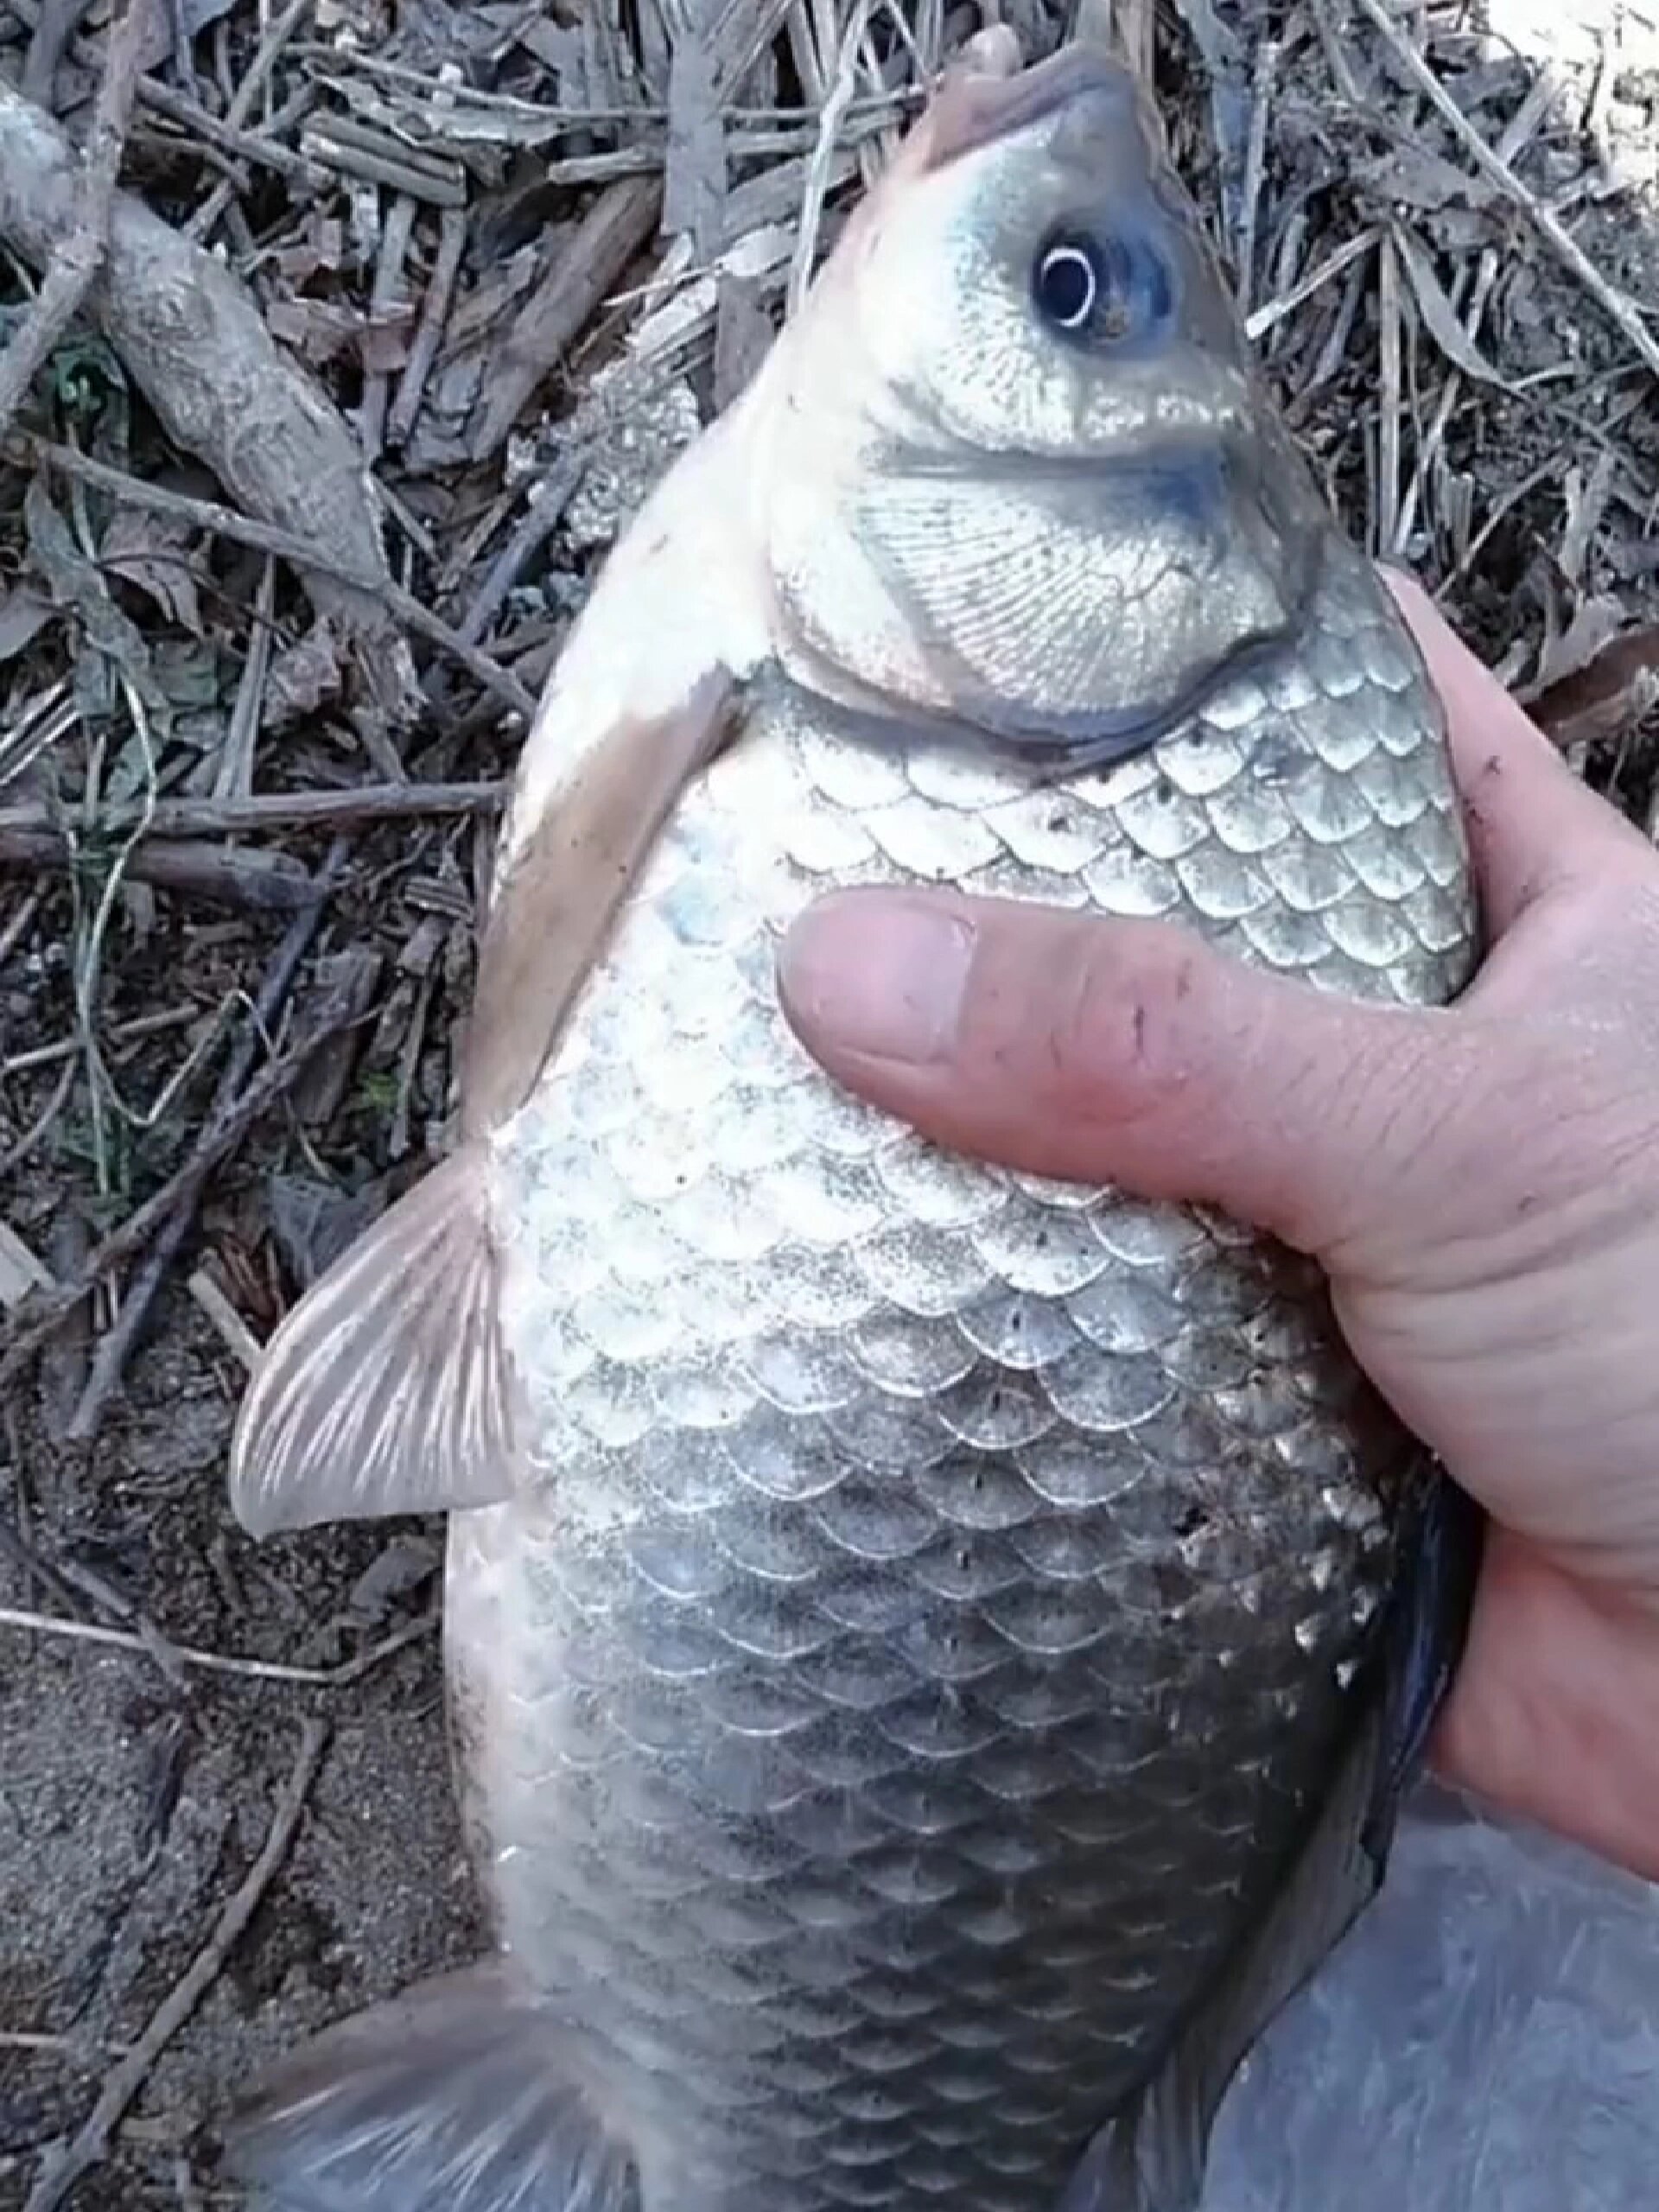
(389, 1388)
(1151, 2157)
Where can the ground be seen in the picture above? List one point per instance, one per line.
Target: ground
(1508, 454)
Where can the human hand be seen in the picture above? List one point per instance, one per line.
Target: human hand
(1481, 1184)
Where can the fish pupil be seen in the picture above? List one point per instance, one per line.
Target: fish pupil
(1067, 285)
(1102, 288)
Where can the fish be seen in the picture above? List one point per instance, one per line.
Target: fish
(934, 1655)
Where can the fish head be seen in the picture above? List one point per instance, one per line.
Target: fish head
(1019, 469)
(1032, 276)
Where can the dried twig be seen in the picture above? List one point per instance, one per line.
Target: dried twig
(257, 882)
(65, 2164)
(192, 339)
(229, 817)
(541, 518)
(1261, 92)
(221, 1137)
(1386, 504)
(1274, 310)
(222, 1662)
(555, 315)
(357, 150)
(385, 297)
(187, 115)
(59, 21)
(255, 79)
(818, 178)
(234, 776)
(1614, 303)
(1428, 446)
(117, 1341)
(300, 552)
(135, 1032)
(428, 331)
(34, 1134)
(81, 255)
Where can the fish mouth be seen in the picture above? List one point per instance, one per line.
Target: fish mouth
(976, 107)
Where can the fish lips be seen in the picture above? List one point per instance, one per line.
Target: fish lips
(973, 108)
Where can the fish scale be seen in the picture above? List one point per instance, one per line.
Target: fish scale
(906, 1795)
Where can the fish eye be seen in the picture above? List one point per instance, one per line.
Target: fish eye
(1087, 286)
(1067, 285)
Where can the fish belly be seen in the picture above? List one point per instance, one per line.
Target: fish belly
(938, 1602)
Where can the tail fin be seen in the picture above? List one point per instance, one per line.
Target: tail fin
(461, 2096)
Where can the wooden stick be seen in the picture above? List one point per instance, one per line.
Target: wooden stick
(260, 882)
(80, 259)
(117, 1341)
(354, 807)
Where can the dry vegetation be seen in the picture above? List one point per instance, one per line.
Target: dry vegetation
(312, 432)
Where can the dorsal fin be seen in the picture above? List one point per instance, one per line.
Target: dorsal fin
(562, 890)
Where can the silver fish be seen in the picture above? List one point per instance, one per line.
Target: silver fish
(934, 1654)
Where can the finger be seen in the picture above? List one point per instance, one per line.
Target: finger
(1126, 1052)
(1534, 827)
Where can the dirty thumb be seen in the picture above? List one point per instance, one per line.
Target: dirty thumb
(1128, 1053)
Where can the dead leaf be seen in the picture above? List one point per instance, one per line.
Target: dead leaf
(314, 329)
(21, 1270)
(312, 1223)
(150, 551)
(322, 246)
(1594, 622)
(1417, 177)
(23, 614)
(350, 976)
(383, 339)
(398, 1571)
(303, 678)
(74, 583)
(1606, 696)
(1440, 314)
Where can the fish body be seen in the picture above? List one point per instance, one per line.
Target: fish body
(932, 1651)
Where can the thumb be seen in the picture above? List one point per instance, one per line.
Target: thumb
(1119, 1051)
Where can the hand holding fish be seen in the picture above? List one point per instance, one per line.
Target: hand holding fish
(1480, 1183)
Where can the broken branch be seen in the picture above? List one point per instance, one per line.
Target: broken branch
(265, 537)
(80, 255)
